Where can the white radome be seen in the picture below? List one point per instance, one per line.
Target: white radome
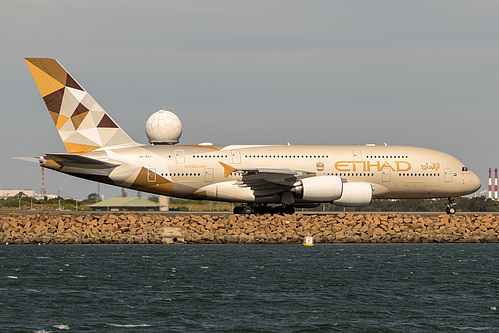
(163, 127)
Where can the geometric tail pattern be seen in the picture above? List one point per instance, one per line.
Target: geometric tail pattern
(82, 123)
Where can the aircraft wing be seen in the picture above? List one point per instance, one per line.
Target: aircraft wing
(79, 161)
(267, 181)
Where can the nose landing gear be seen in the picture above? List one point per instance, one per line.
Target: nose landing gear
(451, 209)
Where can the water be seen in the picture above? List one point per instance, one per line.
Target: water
(250, 288)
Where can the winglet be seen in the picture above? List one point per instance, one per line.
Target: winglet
(227, 169)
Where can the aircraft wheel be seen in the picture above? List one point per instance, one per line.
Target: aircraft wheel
(450, 210)
(248, 210)
(289, 210)
(267, 210)
(238, 210)
(279, 210)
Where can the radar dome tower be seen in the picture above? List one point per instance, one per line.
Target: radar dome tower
(163, 128)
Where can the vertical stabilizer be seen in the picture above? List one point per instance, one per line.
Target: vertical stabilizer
(82, 123)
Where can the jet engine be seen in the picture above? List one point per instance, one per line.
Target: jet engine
(319, 188)
(355, 194)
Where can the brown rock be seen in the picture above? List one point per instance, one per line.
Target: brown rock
(5, 226)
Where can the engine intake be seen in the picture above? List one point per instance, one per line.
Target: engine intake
(319, 188)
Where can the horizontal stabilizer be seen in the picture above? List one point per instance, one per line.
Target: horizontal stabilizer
(28, 159)
(71, 160)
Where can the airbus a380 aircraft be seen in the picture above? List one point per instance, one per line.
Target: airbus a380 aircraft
(289, 176)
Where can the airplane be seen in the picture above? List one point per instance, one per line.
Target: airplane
(259, 178)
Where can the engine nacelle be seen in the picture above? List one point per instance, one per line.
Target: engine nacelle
(227, 191)
(319, 188)
(355, 195)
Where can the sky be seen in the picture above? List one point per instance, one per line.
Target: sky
(417, 73)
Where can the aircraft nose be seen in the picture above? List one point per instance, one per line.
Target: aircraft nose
(474, 182)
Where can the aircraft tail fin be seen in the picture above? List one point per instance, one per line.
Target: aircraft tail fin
(83, 124)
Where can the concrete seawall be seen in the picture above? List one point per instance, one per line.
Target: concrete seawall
(242, 229)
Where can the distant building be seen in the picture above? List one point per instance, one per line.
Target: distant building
(27, 193)
(125, 204)
(9, 194)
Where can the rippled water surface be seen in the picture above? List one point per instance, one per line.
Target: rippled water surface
(250, 288)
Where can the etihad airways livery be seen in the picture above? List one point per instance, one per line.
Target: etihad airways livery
(287, 176)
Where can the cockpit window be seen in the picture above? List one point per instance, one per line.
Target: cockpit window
(464, 168)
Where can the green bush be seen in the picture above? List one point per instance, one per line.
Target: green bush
(10, 203)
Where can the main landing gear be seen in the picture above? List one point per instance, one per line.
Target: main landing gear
(263, 209)
(451, 209)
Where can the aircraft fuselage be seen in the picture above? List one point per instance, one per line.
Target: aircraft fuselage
(217, 172)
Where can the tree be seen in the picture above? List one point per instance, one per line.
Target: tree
(93, 197)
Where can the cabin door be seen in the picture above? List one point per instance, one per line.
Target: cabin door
(357, 156)
(179, 156)
(208, 175)
(448, 175)
(236, 157)
(387, 174)
(151, 175)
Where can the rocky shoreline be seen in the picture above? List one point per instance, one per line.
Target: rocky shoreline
(243, 229)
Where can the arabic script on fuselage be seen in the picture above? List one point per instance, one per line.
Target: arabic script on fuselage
(430, 166)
